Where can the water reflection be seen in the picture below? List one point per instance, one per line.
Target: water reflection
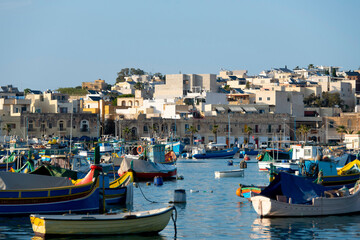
(120, 237)
(306, 228)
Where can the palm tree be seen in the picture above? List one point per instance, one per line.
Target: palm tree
(192, 131)
(303, 131)
(248, 131)
(126, 132)
(341, 129)
(215, 131)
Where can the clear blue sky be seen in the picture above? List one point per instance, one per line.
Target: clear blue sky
(60, 43)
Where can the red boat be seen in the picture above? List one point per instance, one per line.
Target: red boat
(145, 170)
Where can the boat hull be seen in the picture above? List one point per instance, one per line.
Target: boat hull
(231, 173)
(281, 166)
(321, 206)
(222, 154)
(152, 221)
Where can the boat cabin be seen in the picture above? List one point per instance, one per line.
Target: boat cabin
(156, 153)
(216, 146)
(305, 152)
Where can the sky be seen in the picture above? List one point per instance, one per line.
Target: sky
(50, 44)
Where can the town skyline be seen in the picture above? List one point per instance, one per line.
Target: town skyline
(51, 44)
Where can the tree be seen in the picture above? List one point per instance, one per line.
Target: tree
(247, 86)
(139, 86)
(310, 66)
(127, 72)
(192, 131)
(341, 129)
(214, 130)
(248, 131)
(297, 68)
(27, 91)
(126, 132)
(333, 72)
(227, 88)
(303, 130)
(159, 75)
(8, 129)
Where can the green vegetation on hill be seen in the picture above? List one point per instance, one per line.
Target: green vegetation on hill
(73, 91)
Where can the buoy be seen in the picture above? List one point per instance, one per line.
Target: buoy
(158, 181)
(135, 184)
(193, 191)
(243, 164)
(246, 157)
(148, 183)
(179, 196)
(180, 177)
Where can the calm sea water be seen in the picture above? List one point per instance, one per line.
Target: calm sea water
(213, 211)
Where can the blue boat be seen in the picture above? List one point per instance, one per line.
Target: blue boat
(176, 147)
(226, 153)
(27, 193)
(249, 151)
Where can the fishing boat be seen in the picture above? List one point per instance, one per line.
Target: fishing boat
(150, 222)
(279, 159)
(226, 153)
(293, 196)
(177, 147)
(230, 173)
(29, 193)
(325, 172)
(145, 170)
(7, 162)
(248, 191)
(249, 151)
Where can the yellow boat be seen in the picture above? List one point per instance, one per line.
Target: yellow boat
(152, 221)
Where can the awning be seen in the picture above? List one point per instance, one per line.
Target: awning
(249, 109)
(220, 109)
(236, 109)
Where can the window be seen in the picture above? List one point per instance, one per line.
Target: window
(198, 127)
(186, 128)
(260, 98)
(50, 125)
(268, 98)
(146, 129)
(269, 128)
(31, 126)
(61, 126)
(256, 128)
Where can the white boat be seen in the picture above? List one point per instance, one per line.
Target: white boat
(230, 173)
(152, 221)
(330, 202)
(282, 166)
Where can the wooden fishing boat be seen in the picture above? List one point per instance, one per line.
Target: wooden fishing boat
(145, 170)
(230, 173)
(152, 221)
(292, 196)
(226, 153)
(26, 193)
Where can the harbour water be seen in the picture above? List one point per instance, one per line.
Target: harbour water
(213, 211)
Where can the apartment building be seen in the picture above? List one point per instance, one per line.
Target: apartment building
(179, 85)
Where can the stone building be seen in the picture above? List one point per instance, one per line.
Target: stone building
(50, 125)
(265, 128)
(97, 85)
